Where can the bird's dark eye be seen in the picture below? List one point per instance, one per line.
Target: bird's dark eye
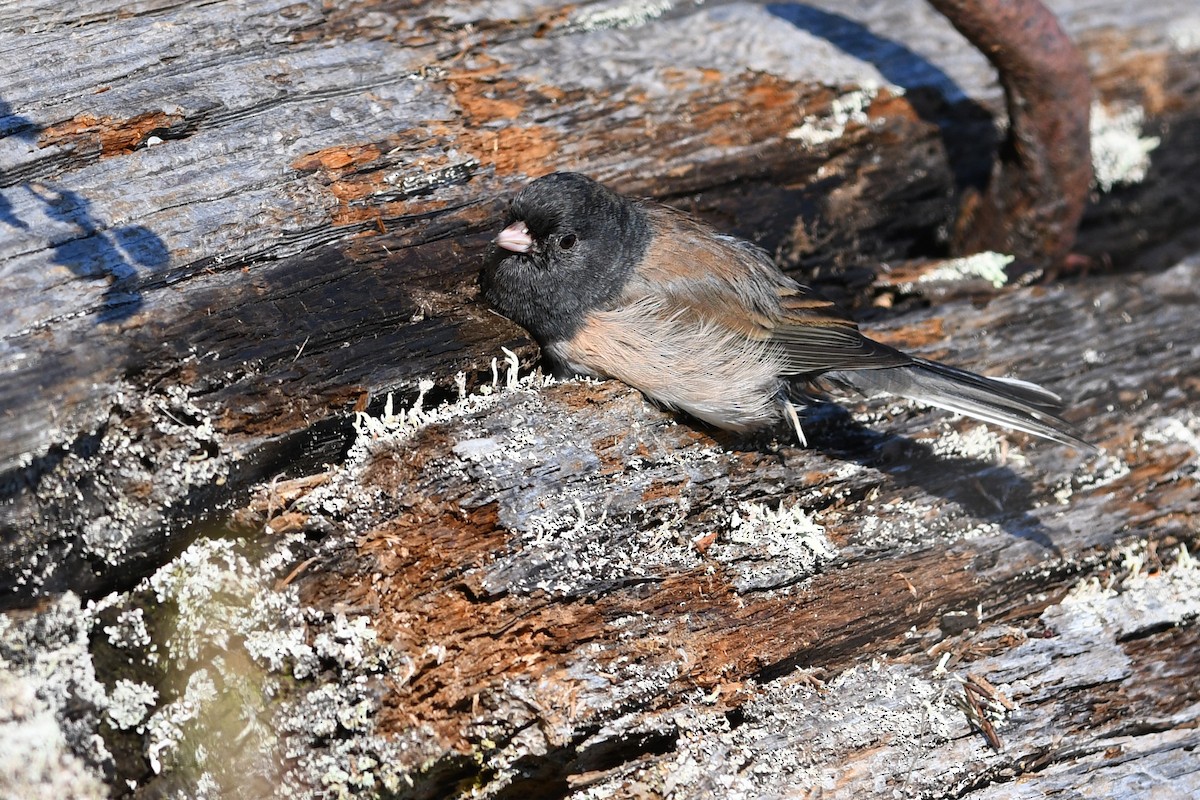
(567, 241)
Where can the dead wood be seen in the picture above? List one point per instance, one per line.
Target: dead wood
(211, 260)
(226, 228)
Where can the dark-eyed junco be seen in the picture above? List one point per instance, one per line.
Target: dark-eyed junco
(703, 322)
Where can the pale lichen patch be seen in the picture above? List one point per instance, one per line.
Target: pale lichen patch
(622, 14)
(790, 734)
(1120, 153)
(846, 110)
(129, 702)
(987, 266)
(768, 548)
(36, 759)
(978, 442)
(129, 631)
(1184, 33)
(47, 654)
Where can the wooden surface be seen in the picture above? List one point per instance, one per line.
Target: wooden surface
(225, 227)
(572, 594)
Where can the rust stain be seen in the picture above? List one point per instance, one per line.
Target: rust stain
(113, 135)
(925, 334)
(771, 94)
(514, 150)
(336, 160)
(886, 105)
(355, 173)
(485, 100)
(419, 573)
(464, 643)
(759, 107)
(490, 103)
(582, 394)
(492, 107)
(677, 79)
(498, 124)
(661, 491)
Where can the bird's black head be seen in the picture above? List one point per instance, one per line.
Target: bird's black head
(568, 248)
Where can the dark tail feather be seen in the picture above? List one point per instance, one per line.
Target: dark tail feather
(1006, 402)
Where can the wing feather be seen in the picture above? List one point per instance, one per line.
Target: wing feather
(735, 285)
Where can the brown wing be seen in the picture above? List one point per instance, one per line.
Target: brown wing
(816, 336)
(734, 284)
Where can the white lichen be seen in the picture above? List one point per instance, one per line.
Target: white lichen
(1184, 33)
(106, 538)
(1120, 154)
(239, 652)
(129, 702)
(136, 478)
(169, 728)
(1173, 430)
(51, 651)
(847, 109)
(768, 548)
(130, 630)
(623, 14)
(792, 738)
(987, 266)
(1108, 470)
(393, 425)
(978, 442)
(349, 643)
(36, 760)
(1142, 600)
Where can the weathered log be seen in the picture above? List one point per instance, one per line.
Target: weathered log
(212, 256)
(257, 272)
(562, 591)
(578, 563)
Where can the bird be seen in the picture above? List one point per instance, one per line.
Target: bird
(705, 323)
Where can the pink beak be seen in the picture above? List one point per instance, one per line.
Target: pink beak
(515, 238)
